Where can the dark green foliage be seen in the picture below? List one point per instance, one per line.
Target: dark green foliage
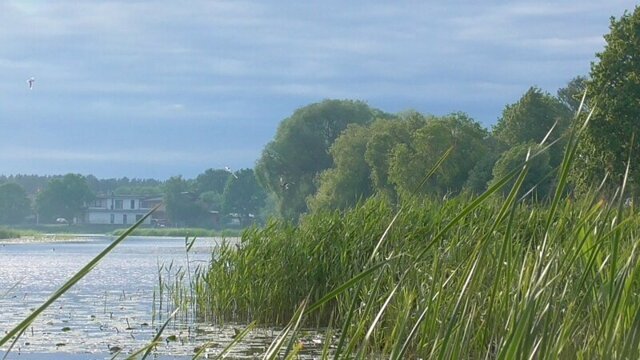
(212, 180)
(14, 204)
(539, 177)
(482, 173)
(63, 198)
(243, 195)
(300, 150)
(531, 118)
(571, 95)
(349, 181)
(384, 135)
(124, 186)
(410, 162)
(183, 209)
(615, 96)
(139, 190)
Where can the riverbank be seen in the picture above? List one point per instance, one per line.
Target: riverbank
(451, 279)
(58, 232)
(181, 232)
(9, 233)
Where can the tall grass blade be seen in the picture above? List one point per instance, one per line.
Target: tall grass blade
(156, 338)
(277, 344)
(241, 335)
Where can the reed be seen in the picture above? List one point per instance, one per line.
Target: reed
(6, 233)
(496, 277)
(180, 232)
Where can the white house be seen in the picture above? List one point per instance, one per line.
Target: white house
(119, 209)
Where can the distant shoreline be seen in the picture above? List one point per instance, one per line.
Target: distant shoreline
(60, 238)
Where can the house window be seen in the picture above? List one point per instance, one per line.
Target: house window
(133, 204)
(113, 219)
(138, 217)
(124, 218)
(118, 204)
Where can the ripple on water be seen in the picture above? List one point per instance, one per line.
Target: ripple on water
(111, 306)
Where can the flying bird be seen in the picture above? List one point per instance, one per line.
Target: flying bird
(30, 82)
(228, 169)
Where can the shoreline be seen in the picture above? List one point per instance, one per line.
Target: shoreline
(58, 238)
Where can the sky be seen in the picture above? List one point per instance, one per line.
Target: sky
(154, 88)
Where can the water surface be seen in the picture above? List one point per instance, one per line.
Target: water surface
(113, 306)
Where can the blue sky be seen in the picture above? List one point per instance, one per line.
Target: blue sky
(154, 88)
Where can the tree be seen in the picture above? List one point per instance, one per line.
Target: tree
(243, 195)
(412, 161)
(482, 172)
(536, 181)
(212, 200)
(138, 190)
(615, 89)
(531, 118)
(300, 150)
(212, 180)
(349, 181)
(63, 198)
(14, 204)
(183, 207)
(385, 134)
(571, 95)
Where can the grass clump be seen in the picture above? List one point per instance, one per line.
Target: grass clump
(496, 287)
(6, 233)
(180, 232)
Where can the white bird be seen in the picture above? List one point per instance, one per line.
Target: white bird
(228, 169)
(30, 82)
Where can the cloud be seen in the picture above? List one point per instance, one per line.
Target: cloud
(216, 77)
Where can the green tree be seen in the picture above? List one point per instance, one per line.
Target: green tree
(412, 161)
(571, 95)
(537, 182)
(482, 172)
(385, 134)
(349, 181)
(615, 97)
(243, 195)
(14, 204)
(63, 198)
(531, 118)
(212, 200)
(183, 207)
(212, 180)
(300, 150)
(138, 190)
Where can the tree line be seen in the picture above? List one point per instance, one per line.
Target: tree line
(332, 154)
(188, 201)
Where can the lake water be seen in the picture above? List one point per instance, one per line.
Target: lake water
(113, 305)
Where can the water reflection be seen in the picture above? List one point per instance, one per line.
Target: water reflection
(112, 308)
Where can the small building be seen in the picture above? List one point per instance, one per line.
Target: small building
(119, 209)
